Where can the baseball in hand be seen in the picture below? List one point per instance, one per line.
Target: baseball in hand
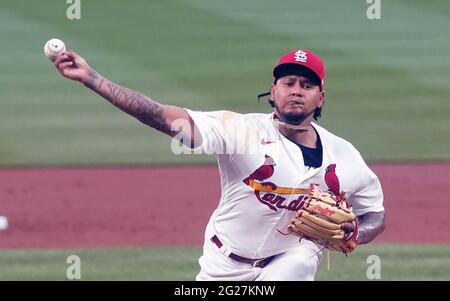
(53, 48)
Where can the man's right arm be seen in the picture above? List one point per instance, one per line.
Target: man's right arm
(143, 108)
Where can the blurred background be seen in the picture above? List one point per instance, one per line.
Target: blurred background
(387, 86)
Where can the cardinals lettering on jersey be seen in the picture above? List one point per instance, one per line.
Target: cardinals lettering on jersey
(272, 197)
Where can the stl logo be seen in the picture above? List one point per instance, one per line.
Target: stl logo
(300, 56)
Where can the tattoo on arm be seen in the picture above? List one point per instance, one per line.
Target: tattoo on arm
(92, 81)
(145, 109)
(370, 226)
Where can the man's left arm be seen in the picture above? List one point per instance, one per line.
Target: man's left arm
(370, 225)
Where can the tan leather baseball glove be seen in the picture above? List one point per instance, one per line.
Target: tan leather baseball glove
(327, 220)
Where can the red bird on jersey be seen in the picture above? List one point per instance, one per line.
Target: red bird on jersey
(263, 172)
(332, 180)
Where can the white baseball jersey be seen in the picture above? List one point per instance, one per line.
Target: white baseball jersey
(264, 180)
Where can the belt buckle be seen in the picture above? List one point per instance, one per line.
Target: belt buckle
(257, 262)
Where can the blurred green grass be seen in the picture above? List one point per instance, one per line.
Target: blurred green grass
(387, 80)
(398, 262)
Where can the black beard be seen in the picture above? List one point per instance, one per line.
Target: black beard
(291, 117)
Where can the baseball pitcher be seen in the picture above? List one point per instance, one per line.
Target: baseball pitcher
(290, 188)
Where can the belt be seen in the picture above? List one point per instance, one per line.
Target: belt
(257, 263)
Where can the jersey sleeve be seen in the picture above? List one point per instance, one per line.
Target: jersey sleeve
(368, 196)
(217, 129)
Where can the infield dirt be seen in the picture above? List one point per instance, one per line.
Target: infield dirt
(119, 207)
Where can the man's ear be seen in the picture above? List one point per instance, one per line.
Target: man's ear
(272, 92)
(322, 99)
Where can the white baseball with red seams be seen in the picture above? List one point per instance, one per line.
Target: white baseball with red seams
(53, 48)
(262, 190)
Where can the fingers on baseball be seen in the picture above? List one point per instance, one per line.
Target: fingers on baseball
(64, 65)
(75, 57)
(69, 53)
(65, 56)
(62, 62)
(57, 60)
